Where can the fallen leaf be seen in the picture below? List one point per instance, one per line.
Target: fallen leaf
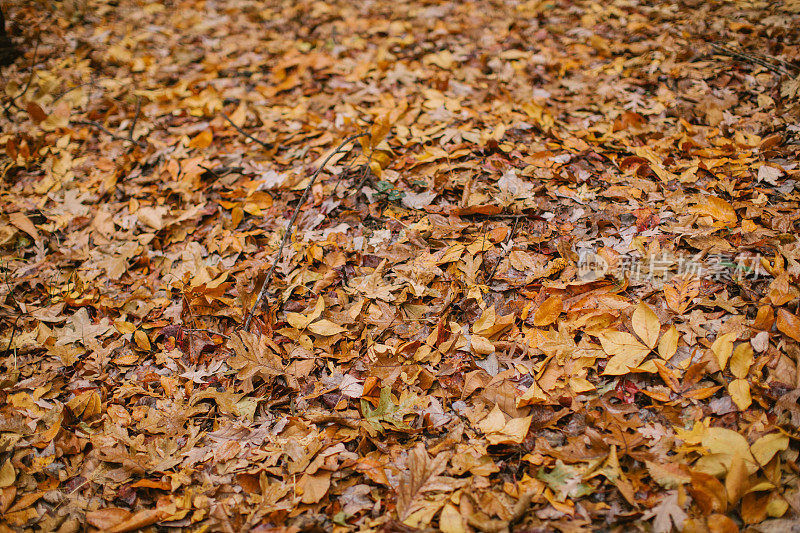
(788, 324)
(646, 325)
(627, 352)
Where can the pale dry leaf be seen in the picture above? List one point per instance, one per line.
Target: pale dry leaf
(645, 324)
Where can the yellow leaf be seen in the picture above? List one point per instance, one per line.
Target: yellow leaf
(646, 325)
(481, 345)
(668, 344)
(494, 422)
(726, 443)
(486, 321)
(140, 337)
(326, 328)
(719, 209)
(742, 360)
(739, 390)
(379, 131)
(124, 327)
(722, 348)
(202, 140)
(648, 366)
(59, 118)
(777, 506)
(548, 312)
(669, 475)
(451, 521)
(748, 226)
(625, 350)
(239, 117)
(85, 405)
(513, 432)
(300, 321)
(490, 323)
(578, 384)
(7, 474)
(765, 448)
(737, 480)
(532, 396)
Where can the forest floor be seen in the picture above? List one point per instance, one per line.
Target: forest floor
(554, 286)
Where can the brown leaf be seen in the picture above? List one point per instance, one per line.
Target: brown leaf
(421, 475)
(314, 487)
(719, 523)
(35, 111)
(142, 519)
(107, 518)
(24, 223)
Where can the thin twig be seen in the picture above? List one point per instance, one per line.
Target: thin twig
(266, 145)
(288, 233)
(747, 57)
(13, 101)
(65, 92)
(11, 339)
(135, 117)
(208, 331)
(109, 132)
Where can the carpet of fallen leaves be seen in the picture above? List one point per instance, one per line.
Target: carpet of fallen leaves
(555, 286)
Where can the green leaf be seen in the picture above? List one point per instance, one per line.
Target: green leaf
(565, 481)
(383, 186)
(387, 411)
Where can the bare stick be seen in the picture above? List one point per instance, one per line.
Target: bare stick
(287, 235)
(747, 57)
(109, 132)
(135, 117)
(266, 145)
(13, 101)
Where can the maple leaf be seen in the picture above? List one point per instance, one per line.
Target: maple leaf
(565, 481)
(626, 352)
(81, 328)
(791, 88)
(667, 513)
(387, 411)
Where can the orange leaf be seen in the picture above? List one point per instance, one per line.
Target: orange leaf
(202, 140)
(680, 292)
(107, 518)
(789, 324)
(548, 312)
(708, 492)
